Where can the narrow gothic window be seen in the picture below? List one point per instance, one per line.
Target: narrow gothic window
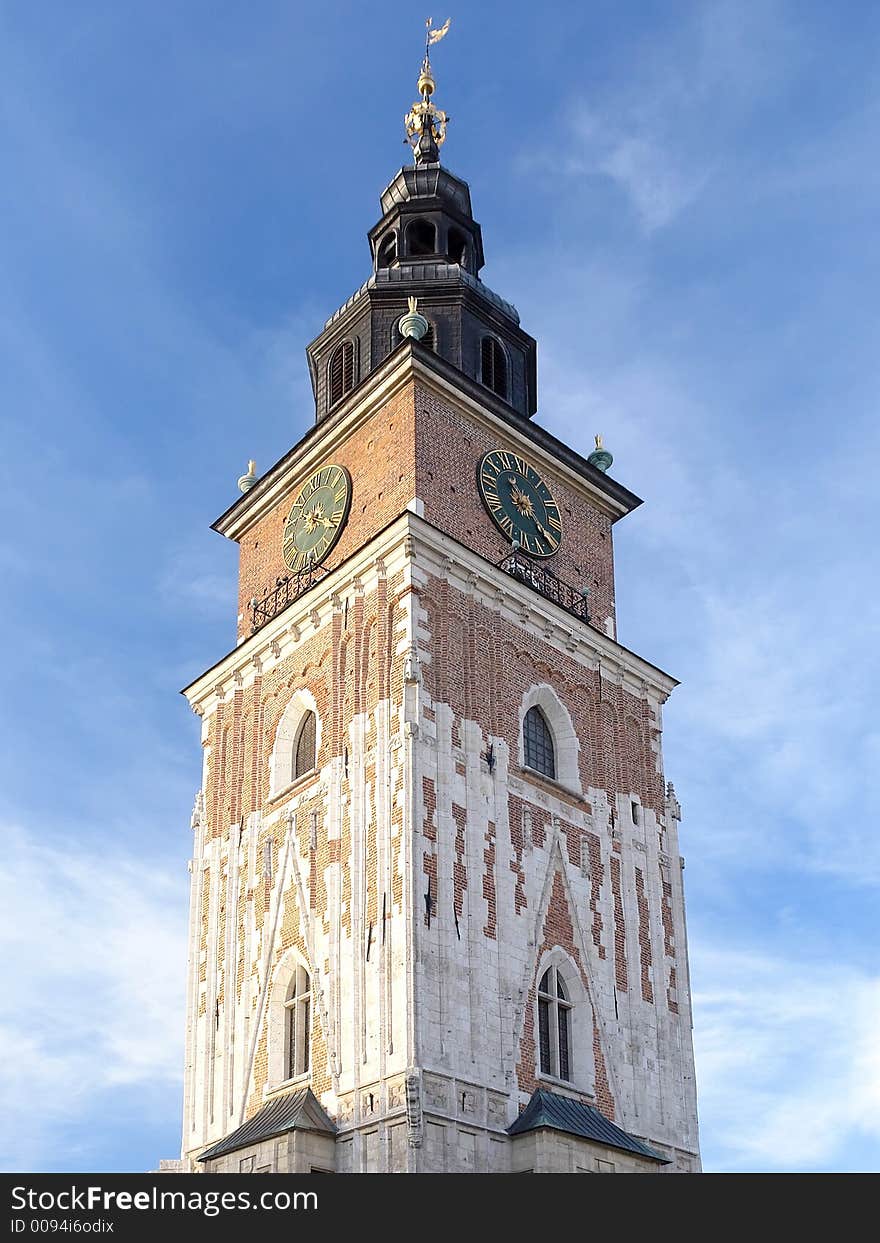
(538, 743)
(554, 1026)
(304, 748)
(341, 371)
(299, 1016)
(493, 362)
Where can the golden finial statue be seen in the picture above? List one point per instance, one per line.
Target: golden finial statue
(425, 123)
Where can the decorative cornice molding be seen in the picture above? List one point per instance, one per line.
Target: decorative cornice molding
(406, 365)
(280, 636)
(411, 542)
(318, 443)
(443, 557)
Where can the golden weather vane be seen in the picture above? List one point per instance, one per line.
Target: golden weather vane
(434, 36)
(425, 122)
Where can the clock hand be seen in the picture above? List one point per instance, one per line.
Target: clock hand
(547, 536)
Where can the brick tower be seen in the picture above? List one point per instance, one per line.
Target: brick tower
(437, 919)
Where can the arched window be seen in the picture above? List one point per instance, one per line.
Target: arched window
(554, 1026)
(387, 250)
(297, 1037)
(421, 238)
(304, 747)
(538, 750)
(457, 247)
(493, 362)
(297, 742)
(341, 376)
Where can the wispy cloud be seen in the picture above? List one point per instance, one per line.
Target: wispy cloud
(94, 956)
(658, 131)
(775, 609)
(788, 1062)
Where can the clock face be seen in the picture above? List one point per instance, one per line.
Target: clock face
(319, 513)
(520, 502)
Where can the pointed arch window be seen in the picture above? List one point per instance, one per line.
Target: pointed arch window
(341, 378)
(554, 1025)
(304, 746)
(298, 1007)
(493, 366)
(538, 750)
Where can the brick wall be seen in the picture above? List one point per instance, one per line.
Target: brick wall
(380, 457)
(449, 449)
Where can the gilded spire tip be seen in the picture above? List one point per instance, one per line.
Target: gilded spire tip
(425, 122)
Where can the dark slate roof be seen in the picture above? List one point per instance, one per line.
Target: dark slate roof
(286, 1113)
(561, 1113)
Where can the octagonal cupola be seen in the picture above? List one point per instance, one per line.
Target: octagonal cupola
(427, 245)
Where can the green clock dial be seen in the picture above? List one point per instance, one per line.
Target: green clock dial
(315, 522)
(519, 502)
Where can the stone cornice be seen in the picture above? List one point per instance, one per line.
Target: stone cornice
(384, 555)
(318, 443)
(407, 363)
(411, 541)
(533, 440)
(442, 556)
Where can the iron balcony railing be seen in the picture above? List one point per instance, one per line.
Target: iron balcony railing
(285, 592)
(549, 585)
(539, 577)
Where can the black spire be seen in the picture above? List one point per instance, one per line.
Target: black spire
(427, 245)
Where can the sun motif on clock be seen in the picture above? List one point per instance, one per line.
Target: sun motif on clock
(519, 502)
(315, 522)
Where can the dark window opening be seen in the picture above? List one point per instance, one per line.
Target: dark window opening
(554, 1030)
(299, 1019)
(421, 238)
(538, 743)
(544, 1034)
(457, 247)
(387, 250)
(493, 366)
(304, 751)
(341, 371)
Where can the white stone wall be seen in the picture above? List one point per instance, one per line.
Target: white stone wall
(425, 1037)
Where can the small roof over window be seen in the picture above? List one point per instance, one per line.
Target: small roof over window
(294, 1111)
(561, 1113)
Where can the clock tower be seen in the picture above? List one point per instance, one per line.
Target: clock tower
(437, 918)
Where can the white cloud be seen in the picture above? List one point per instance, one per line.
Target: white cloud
(661, 132)
(659, 180)
(94, 957)
(788, 1061)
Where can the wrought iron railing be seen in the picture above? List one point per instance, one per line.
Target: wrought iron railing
(285, 592)
(542, 579)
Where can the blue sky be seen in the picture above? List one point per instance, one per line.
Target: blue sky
(682, 202)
